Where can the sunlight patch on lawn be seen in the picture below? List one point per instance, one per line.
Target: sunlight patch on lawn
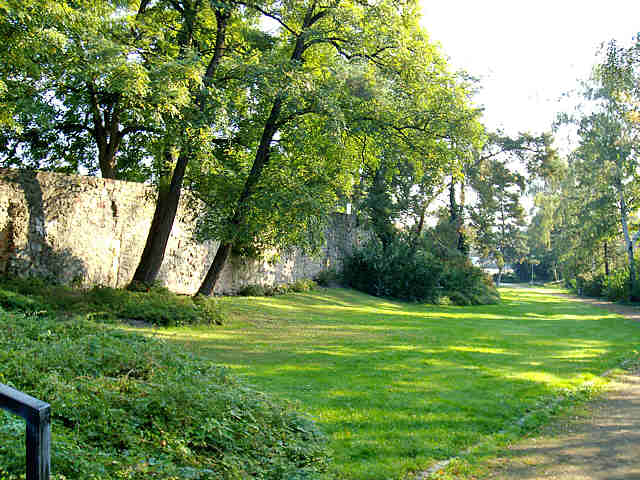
(398, 386)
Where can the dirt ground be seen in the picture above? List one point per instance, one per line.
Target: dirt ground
(603, 444)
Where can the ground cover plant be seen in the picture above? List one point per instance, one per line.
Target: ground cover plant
(155, 305)
(399, 386)
(127, 406)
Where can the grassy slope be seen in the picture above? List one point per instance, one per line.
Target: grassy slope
(398, 386)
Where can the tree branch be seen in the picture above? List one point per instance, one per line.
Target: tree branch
(304, 111)
(270, 15)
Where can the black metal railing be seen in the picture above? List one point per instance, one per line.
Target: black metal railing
(38, 417)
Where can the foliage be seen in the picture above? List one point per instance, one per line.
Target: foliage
(156, 305)
(614, 287)
(461, 279)
(396, 272)
(328, 277)
(258, 290)
(510, 277)
(407, 272)
(399, 386)
(84, 90)
(587, 218)
(126, 405)
(498, 217)
(348, 88)
(271, 127)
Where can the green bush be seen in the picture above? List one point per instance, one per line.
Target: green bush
(253, 290)
(126, 406)
(408, 272)
(16, 302)
(257, 290)
(398, 272)
(328, 277)
(459, 298)
(509, 277)
(616, 285)
(304, 285)
(592, 285)
(155, 305)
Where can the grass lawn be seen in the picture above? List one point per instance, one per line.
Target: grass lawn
(398, 386)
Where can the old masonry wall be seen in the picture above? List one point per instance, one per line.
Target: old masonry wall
(91, 231)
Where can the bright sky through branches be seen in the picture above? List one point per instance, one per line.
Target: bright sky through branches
(527, 54)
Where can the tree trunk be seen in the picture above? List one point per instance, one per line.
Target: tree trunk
(161, 225)
(606, 258)
(107, 159)
(210, 280)
(167, 202)
(260, 161)
(627, 240)
(455, 216)
(499, 279)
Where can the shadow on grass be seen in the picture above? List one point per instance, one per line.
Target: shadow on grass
(399, 385)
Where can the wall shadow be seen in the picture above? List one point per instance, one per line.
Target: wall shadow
(37, 257)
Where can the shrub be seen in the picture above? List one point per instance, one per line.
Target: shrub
(126, 406)
(16, 302)
(615, 286)
(210, 309)
(509, 277)
(407, 272)
(253, 290)
(398, 272)
(592, 285)
(304, 285)
(327, 278)
(459, 298)
(257, 290)
(155, 305)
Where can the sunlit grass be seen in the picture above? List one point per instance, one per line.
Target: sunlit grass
(399, 386)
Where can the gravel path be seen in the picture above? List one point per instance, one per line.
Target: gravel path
(604, 444)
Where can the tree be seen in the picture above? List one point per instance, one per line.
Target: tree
(80, 87)
(195, 41)
(320, 51)
(409, 149)
(498, 216)
(605, 162)
(128, 82)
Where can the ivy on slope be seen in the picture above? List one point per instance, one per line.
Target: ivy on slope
(129, 406)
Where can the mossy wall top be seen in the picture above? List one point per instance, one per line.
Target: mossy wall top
(91, 231)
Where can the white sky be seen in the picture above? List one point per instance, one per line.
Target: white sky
(527, 54)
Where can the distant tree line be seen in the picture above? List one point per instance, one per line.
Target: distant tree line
(585, 229)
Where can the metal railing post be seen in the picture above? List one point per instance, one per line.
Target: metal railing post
(37, 414)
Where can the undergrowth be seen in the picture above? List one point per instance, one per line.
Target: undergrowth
(127, 406)
(258, 290)
(409, 271)
(157, 305)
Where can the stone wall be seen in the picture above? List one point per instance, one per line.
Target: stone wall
(91, 231)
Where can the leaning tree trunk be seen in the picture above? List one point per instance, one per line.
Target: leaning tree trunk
(168, 200)
(161, 225)
(260, 161)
